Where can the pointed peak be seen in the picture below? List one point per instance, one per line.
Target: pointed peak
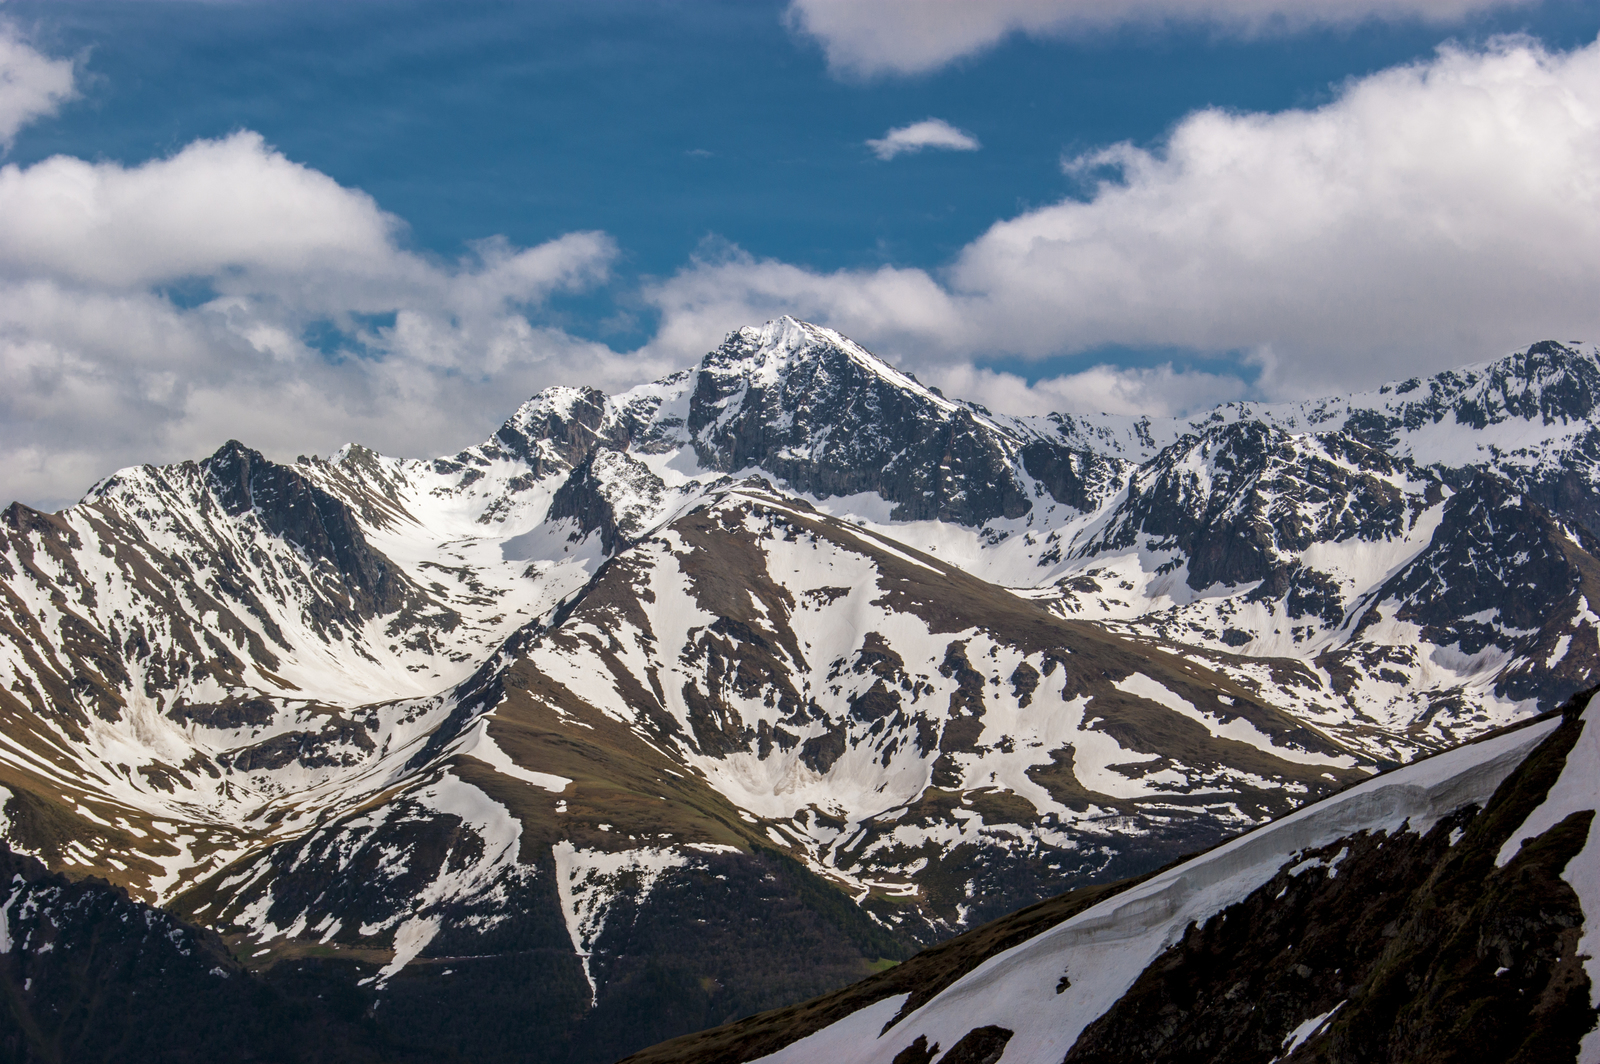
(780, 339)
(782, 333)
(768, 352)
(561, 401)
(232, 454)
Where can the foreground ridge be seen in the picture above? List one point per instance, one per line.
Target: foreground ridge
(1438, 912)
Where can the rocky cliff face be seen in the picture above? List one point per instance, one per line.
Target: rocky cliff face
(702, 698)
(828, 419)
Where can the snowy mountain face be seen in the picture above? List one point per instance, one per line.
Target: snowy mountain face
(1442, 911)
(675, 705)
(1381, 594)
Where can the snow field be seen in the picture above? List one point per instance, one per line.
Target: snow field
(1106, 947)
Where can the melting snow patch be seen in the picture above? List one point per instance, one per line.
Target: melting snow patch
(17, 887)
(1299, 1035)
(843, 1039)
(409, 941)
(588, 882)
(480, 745)
(1237, 729)
(1308, 864)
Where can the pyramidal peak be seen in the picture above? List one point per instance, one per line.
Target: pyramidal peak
(765, 354)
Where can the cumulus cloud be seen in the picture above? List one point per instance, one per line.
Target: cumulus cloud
(1428, 215)
(725, 287)
(1431, 214)
(1157, 391)
(32, 85)
(863, 38)
(148, 313)
(929, 133)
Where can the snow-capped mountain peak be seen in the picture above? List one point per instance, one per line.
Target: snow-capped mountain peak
(784, 617)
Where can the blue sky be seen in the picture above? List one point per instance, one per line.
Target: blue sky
(690, 166)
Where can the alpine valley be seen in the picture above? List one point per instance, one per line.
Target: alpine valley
(661, 709)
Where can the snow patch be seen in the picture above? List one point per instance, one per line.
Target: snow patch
(589, 882)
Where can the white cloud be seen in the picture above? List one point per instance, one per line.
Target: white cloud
(1431, 214)
(863, 38)
(720, 291)
(32, 85)
(1157, 391)
(99, 368)
(929, 133)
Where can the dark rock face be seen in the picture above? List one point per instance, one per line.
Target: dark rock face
(829, 424)
(812, 410)
(566, 434)
(1495, 553)
(1076, 478)
(981, 1045)
(582, 499)
(1568, 490)
(234, 713)
(1548, 384)
(611, 493)
(88, 975)
(290, 506)
(1239, 498)
(1502, 572)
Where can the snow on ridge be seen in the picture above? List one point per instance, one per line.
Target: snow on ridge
(1110, 944)
(1238, 729)
(1576, 789)
(780, 341)
(479, 744)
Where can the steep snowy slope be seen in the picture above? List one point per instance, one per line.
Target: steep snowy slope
(934, 745)
(191, 644)
(1443, 911)
(787, 641)
(1390, 599)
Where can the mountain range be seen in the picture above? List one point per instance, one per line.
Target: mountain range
(656, 710)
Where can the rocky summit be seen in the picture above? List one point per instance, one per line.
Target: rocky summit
(661, 709)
